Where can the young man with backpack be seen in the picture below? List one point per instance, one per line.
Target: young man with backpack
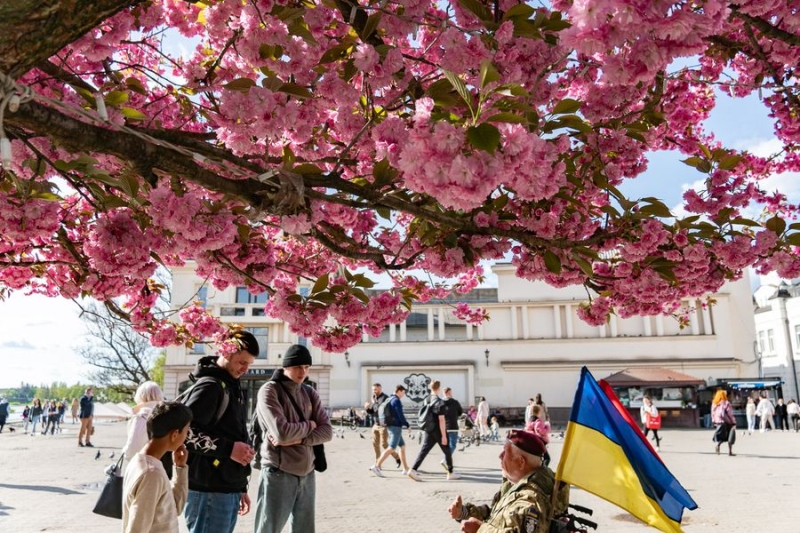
(380, 436)
(432, 423)
(391, 416)
(219, 452)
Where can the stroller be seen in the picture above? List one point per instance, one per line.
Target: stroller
(467, 431)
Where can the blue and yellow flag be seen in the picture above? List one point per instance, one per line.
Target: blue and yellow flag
(606, 454)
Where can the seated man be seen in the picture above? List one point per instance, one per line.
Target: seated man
(523, 501)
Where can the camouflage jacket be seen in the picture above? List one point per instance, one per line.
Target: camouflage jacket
(522, 507)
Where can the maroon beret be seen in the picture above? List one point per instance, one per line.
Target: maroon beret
(527, 442)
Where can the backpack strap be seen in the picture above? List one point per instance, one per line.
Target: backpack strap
(226, 395)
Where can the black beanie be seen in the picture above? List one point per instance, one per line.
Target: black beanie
(297, 355)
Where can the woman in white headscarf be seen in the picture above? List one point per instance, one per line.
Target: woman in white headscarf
(147, 396)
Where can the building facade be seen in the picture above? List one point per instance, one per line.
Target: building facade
(533, 343)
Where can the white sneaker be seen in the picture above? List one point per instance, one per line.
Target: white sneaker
(377, 471)
(453, 475)
(405, 472)
(444, 464)
(413, 474)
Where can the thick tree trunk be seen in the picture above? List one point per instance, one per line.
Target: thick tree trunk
(33, 30)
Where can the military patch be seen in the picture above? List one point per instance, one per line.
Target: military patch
(531, 520)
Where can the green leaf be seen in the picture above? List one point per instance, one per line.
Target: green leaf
(478, 9)
(340, 51)
(776, 224)
(489, 73)
(240, 84)
(729, 162)
(703, 165)
(519, 11)
(793, 239)
(484, 136)
(460, 87)
(133, 114)
(115, 98)
(321, 284)
(307, 168)
(362, 281)
(656, 208)
(552, 262)
(745, 222)
(584, 265)
(566, 106)
(370, 26)
(135, 85)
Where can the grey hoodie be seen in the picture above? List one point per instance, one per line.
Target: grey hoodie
(277, 414)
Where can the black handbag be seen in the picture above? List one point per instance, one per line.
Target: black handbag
(110, 501)
(320, 462)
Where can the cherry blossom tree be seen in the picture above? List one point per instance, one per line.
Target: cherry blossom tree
(296, 141)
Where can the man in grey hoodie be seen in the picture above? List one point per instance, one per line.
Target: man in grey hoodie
(293, 420)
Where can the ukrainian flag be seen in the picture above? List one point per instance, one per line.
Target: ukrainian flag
(606, 454)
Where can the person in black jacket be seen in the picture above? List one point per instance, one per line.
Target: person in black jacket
(436, 434)
(219, 452)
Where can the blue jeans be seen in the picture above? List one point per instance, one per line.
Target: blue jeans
(395, 437)
(211, 512)
(452, 440)
(281, 495)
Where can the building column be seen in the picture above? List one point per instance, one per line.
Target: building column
(659, 325)
(514, 328)
(557, 320)
(441, 323)
(568, 316)
(694, 325)
(648, 327)
(430, 323)
(613, 324)
(525, 328)
(708, 326)
(403, 331)
(469, 331)
(392, 332)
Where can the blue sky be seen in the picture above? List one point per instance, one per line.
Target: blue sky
(38, 334)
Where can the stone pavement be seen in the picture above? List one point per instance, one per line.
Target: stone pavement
(49, 484)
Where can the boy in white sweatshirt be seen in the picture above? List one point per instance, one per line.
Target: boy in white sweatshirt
(150, 502)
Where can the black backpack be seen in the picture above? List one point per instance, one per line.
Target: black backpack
(255, 435)
(223, 405)
(385, 414)
(426, 419)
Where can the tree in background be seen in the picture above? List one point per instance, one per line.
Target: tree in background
(120, 357)
(315, 141)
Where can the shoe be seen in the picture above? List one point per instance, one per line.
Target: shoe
(399, 464)
(453, 475)
(405, 472)
(658, 449)
(444, 465)
(375, 470)
(79, 444)
(717, 449)
(413, 474)
(89, 445)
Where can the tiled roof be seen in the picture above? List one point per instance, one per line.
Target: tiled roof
(652, 376)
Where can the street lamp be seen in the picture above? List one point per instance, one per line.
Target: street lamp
(486, 354)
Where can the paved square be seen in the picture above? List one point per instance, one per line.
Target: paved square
(50, 484)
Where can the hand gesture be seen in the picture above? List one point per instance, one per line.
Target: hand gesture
(471, 525)
(244, 504)
(456, 508)
(242, 453)
(180, 456)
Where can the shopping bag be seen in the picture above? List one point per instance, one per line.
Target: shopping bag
(110, 501)
(653, 422)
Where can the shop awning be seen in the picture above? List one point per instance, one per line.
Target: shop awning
(752, 383)
(652, 377)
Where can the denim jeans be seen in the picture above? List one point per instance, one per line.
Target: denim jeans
(211, 512)
(280, 495)
(452, 440)
(35, 422)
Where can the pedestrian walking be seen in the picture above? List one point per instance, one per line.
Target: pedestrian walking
(75, 409)
(380, 435)
(147, 396)
(36, 414)
(766, 411)
(483, 417)
(295, 421)
(4, 412)
(434, 430)
(782, 414)
(541, 428)
(724, 421)
(651, 420)
(453, 411)
(395, 421)
(750, 414)
(793, 410)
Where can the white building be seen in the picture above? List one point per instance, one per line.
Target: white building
(777, 319)
(533, 343)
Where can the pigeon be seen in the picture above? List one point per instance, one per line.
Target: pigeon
(97, 455)
(111, 455)
(462, 448)
(362, 436)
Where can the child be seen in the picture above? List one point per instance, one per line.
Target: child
(147, 504)
(495, 429)
(540, 428)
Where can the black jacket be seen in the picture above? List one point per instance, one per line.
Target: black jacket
(210, 442)
(374, 404)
